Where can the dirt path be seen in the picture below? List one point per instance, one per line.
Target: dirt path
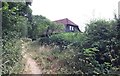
(31, 66)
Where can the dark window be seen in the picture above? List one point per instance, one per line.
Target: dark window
(71, 28)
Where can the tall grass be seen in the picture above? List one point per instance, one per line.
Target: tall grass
(51, 59)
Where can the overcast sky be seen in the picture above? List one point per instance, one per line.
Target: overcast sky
(78, 11)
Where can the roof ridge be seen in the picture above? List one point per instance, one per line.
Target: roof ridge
(66, 21)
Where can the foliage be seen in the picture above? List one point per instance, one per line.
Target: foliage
(63, 40)
(11, 57)
(14, 26)
(102, 35)
(96, 50)
(41, 26)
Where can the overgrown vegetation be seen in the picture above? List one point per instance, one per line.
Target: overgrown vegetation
(41, 26)
(14, 25)
(95, 51)
(18, 22)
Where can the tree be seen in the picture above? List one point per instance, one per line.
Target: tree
(15, 20)
(41, 26)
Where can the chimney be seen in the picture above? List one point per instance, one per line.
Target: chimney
(119, 9)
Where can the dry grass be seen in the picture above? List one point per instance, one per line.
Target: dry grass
(50, 59)
(46, 57)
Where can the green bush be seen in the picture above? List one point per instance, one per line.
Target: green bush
(94, 52)
(12, 57)
(64, 39)
(14, 26)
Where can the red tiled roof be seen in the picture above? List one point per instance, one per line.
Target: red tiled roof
(65, 22)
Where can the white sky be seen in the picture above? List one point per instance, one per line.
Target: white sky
(78, 11)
